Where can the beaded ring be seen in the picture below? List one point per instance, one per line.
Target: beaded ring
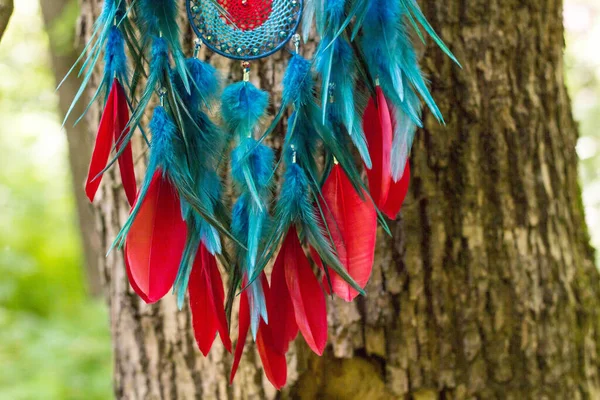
(252, 29)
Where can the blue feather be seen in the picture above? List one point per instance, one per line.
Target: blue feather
(391, 59)
(240, 217)
(115, 60)
(159, 18)
(102, 38)
(301, 137)
(258, 306)
(115, 66)
(403, 138)
(252, 167)
(205, 144)
(294, 198)
(258, 219)
(379, 44)
(412, 9)
(298, 85)
(390, 54)
(242, 108)
(404, 132)
(159, 72)
(208, 189)
(185, 269)
(407, 61)
(164, 137)
(335, 62)
(335, 11)
(205, 82)
(308, 15)
(246, 219)
(379, 27)
(298, 89)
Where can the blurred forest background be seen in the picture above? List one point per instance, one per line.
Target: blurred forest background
(54, 337)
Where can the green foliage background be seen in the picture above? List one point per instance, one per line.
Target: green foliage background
(582, 20)
(54, 338)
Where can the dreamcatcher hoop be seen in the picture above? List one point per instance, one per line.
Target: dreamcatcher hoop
(254, 29)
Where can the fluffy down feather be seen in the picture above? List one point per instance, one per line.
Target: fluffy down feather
(242, 107)
(298, 84)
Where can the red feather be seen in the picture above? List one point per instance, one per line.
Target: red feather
(281, 310)
(352, 222)
(121, 119)
(112, 125)
(273, 359)
(306, 294)
(206, 302)
(219, 296)
(155, 241)
(104, 142)
(243, 327)
(274, 362)
(398, 192)
(377, 124)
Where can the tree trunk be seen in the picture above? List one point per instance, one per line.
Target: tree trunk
(488, 288)
(6, 10)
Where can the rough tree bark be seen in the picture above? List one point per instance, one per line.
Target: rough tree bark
(488, 288)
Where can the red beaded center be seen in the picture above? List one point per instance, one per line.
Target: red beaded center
(248, 14)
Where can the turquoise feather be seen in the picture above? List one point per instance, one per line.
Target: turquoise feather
(244, 223)
(159, 18)
(335, 62)
(243, 106)
(104, 38)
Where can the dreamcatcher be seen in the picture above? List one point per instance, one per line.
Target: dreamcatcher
(360, 94)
